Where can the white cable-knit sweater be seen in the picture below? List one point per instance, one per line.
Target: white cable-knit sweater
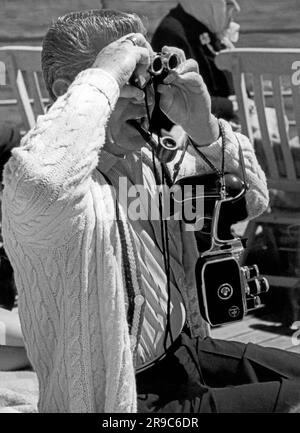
(62, 240)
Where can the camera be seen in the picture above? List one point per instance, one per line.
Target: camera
(227, 291)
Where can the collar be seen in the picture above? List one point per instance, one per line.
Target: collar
(108, 160)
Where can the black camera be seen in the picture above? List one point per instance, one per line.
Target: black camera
(226, 290)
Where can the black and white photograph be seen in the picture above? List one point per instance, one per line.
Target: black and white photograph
(150, 209)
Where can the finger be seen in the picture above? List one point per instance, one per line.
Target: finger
(189, 65)
(174, 50)
(138, 40)
(164, 89)
(141, 74)
(192, 79)
(132, 92)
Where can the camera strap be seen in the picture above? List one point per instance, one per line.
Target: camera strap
(242, 161)
(219, 172)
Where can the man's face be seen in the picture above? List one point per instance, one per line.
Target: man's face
(122, 138)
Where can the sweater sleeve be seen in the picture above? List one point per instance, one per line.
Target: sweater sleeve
(257, 196)
(47, 179)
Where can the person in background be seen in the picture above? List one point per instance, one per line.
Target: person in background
(201, 28)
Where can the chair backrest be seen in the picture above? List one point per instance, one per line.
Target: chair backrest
(23, 69)
(278, 65)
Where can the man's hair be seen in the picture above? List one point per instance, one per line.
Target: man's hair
(73, 42)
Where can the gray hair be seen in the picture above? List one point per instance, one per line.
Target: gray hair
(73, 42)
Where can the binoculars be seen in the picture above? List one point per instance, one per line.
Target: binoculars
(161, 66)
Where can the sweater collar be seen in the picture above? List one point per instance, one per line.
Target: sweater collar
(107, 161)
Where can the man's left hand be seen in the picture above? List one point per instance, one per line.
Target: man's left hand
(186, 101)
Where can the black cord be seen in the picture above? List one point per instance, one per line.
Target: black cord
(164, 231)
(168, 327)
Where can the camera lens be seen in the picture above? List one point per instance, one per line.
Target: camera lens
(264, 285)
(253, 303)
(251, 272)
(254, 287)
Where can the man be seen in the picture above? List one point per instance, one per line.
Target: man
(98, 304)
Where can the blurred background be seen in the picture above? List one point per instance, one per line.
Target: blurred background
(264, 23)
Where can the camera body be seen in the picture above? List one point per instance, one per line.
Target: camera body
(226, 289)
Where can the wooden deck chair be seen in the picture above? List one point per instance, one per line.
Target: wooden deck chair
(23, 71)
(282, 161)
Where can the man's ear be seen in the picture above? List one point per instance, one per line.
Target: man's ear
(60, 86)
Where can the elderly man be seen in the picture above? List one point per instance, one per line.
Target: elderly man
(98, 304)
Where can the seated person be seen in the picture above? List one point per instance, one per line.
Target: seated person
(110, 317)
(201, 29)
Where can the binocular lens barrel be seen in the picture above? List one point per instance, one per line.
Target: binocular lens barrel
(157, 65)
(172, 62)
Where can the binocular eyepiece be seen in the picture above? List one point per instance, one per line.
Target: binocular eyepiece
(161, 66)
(164, 63)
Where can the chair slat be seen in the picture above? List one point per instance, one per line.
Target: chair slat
(296, 104)
(35, 93)
(24, 99)
(241, 93)
(280, 113)
(260, 107)
(19, 90)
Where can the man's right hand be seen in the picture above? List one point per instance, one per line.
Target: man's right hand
(127, 55)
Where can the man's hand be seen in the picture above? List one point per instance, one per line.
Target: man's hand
(186, 101)
(129, 54)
